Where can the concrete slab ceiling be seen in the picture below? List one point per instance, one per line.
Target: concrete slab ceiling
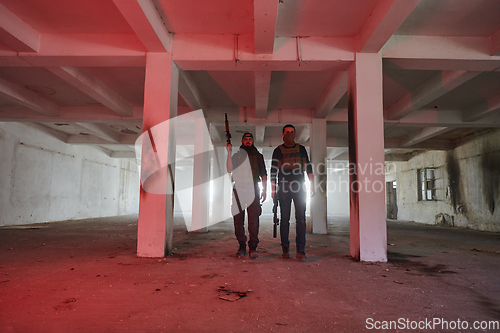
(83, 64)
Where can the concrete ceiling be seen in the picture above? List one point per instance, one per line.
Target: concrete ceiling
(76, 69)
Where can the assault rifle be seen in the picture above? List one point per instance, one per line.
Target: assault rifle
(276, 220)
(228, 135)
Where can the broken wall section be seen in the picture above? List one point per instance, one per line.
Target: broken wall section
(467, 185)
(43, 179)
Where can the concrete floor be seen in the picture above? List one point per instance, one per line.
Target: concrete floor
(85, 276)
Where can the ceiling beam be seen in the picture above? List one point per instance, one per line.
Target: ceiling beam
(49, 131)
(123, 154)
(424, 118)
(276, 118)
(495, 44)
(338, 115)
(184, 152)
(482, 110)
(440, 53)
(101, 131)
(86, 50)
(432, 144)
(99, 114)
(95, 88)
(420, 118)
(158, 20)
(437, 86)
(331, 96)
(335, 152)
(443, 118)
(190, 92)
(190, 52)
(124, 140)
(274, 141)
(240, 87)
(334, 142)
(385, 19)
(78, 139)
(423, 135)
(27, 98)
(217, 52)
(339, 146)
(400, 157)
(9, 58)
(106, 151)
(341, 157)
(260, 131)
(262, 84)
(146, 22)
(265, 13)
(16, 33)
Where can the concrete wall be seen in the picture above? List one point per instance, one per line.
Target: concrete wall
(409, 207)
(43, 179)
(469, 185)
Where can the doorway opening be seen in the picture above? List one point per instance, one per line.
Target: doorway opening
(391, 199)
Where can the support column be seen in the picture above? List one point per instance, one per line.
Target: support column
(366, 159)
(156, 205)
(201, 177)
(318, 160)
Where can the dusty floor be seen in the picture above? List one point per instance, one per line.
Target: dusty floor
(85, 276)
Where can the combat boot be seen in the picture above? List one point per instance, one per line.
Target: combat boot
(286, 252)
(253, 254)
(301, 256)
(242, 251)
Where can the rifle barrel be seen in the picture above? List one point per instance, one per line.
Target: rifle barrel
(276, 220)
(228, 134)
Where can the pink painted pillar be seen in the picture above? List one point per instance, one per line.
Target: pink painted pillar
(156, 207)
(368, 230)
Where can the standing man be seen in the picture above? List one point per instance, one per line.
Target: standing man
(289, 164)
(248, 169)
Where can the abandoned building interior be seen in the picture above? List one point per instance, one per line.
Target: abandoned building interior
(115, 110)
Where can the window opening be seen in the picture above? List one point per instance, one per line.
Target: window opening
(427, 184)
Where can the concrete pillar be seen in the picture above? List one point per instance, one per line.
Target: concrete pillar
(201, 176)
(156, 205)
(366, 159)
(318, 160)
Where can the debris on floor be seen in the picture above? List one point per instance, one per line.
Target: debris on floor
(231, 295)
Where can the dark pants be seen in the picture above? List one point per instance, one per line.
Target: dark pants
(295, 191)
(253, 210)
